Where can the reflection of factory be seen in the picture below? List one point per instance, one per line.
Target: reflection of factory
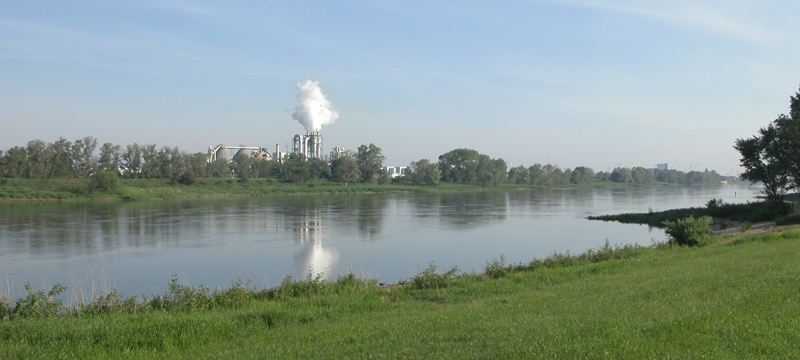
(312, 258)
(309, 145)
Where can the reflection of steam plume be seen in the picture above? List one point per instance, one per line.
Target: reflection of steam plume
(313, 258)
(313, 110)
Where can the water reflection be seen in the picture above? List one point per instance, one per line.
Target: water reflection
(463, 210)
(141, 244)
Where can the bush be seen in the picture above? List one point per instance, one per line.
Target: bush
(689, 231)
(186, 178)
(104, 180)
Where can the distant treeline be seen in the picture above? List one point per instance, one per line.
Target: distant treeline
(82, 158)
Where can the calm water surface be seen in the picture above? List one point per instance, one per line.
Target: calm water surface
(136, 247)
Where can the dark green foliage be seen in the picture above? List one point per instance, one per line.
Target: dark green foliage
(750, 212)
(186, 178)
(345, 169)
(294, 168)
(370, 162)
(467, 166)
(772, 157)
(689, 231)
(104, 181)
(714, 204)
(424, 171)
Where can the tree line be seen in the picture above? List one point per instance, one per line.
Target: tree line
(82, 158)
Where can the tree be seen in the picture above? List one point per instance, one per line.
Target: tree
(425, 171)
(14, 162)
(132, 160)
(581, 175)
(319, 169)
(370, 162)
(459, 165)
(242, 165)
(491, 171)
(295, 168)
(345, 169)
(764, 158)
(110, 157)
(621, 175)
(537, 175)
(772, 157)
(641, 175)
(83, 159)
(519, 175)
(218, 169)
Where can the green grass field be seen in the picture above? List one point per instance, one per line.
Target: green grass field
(736, 298)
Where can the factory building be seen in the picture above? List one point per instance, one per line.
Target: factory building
(309, 145)
(337, 153)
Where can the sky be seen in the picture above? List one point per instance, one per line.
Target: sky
(595, 83)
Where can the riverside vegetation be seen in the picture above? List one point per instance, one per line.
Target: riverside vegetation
(735, 297)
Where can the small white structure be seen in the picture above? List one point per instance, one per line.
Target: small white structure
(396, 171)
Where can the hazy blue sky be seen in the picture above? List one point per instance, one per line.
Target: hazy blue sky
(578, 82)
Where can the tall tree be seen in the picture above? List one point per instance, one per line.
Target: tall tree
(110, 157)
(132, 161)
(83, 158)
(772, 157)
(765, 160)
(425, 171)
(459, 165)
(370, 162)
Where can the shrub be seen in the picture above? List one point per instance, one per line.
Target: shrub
(186, 178)
(104, 180)
(689, 231)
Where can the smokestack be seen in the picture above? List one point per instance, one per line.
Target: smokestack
(313, 109)
(278, 152)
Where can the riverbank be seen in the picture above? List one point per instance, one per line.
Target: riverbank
(31, 190)
(736, 298)
(22, 190)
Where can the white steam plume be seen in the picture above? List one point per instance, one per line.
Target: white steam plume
(313, 110)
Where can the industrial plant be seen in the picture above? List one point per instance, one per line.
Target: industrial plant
(313, 111)
(308, 145)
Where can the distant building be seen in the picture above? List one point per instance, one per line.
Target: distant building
(396, 171)
(662, 167)
(337, 153)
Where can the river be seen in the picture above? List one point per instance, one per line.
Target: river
(135, 247)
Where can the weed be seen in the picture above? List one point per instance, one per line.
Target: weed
(496, 269)
(431, 278)
(38, 304)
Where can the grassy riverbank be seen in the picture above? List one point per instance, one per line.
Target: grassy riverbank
(151, 189)
(13, 190)
(737, 298)
(783, 213)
